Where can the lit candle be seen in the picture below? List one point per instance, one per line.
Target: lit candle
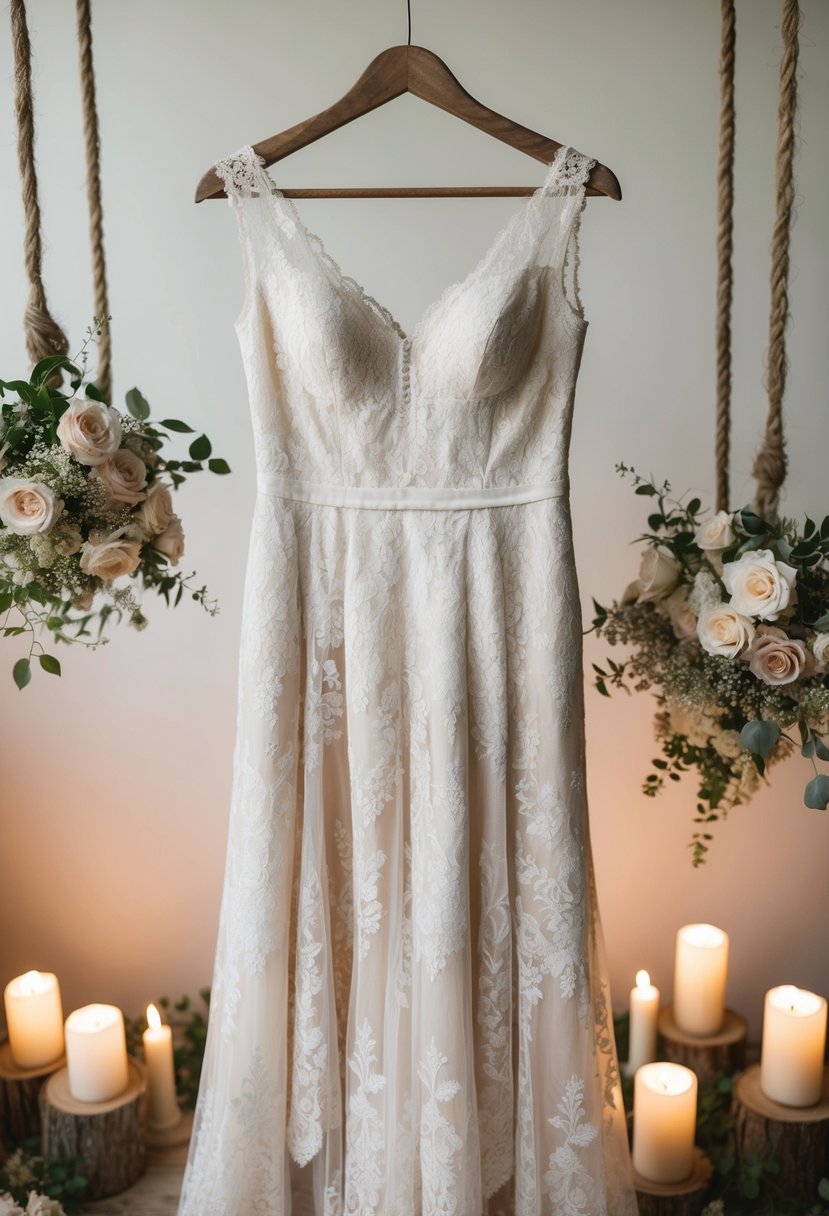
(644, 1011)
(34, 1017)
(664, 1121)
(96, 1053)
(163, 1109)
(700, 973)
(794, 1040)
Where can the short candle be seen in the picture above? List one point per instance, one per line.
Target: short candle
(700, 974)
(34, 1017)
(644, 1012)
(96, 1053)
(794, 1042)
(664, 1122)
(164, 1111)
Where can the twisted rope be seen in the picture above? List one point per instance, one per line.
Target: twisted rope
(770, 463)
(725, 249)
(93, 189)
(43, 334)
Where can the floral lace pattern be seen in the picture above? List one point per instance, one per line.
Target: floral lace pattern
(410, 1014)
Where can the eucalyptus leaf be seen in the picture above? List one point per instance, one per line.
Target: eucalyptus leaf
(94, 393)
(760, 737)
(821, 748)
(752, 523)
(816, 794)
(808, 749)
(137, 404)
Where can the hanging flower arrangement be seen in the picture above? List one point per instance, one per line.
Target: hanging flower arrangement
(728, 627)
(87, 521)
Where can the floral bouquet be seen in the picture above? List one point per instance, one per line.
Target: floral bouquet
(728, 625)
(86, 510)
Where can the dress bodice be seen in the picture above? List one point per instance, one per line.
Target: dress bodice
(479, 394)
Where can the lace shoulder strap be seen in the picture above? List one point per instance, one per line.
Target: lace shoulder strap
(240, 173)
(566, 183)
(568, 172)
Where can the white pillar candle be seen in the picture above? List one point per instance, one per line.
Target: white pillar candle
(34, 1017)
(96, 1053)
(664, 1122)
(644, 1012)
(700, 974)
(163, 1109)
(794, 1042)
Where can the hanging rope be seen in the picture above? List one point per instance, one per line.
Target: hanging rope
(93, 189)
(725, 249)
(43, 334)
(770, 462)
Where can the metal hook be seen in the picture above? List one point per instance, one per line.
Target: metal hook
(409, 11)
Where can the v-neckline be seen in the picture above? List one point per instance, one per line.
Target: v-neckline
(320, 253)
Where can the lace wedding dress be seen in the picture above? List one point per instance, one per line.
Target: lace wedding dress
(409, 1012)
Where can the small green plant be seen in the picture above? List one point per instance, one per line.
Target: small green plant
(24, 1171)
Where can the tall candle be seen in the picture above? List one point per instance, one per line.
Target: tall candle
(34, 1017)
(664, 1122)
(700, 974)
(163, 1109)
(794, 1041)
(644, 1011)
(96, 1053)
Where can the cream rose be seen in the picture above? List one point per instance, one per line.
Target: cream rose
(90, 431)
(658, 574)
(170, 542)
(728, 743)
(820, 649)
(681, 614)
(759, 585)
(716, 532)
(27, 507)
(724, 631)
(156, 511)
(776, 658)
(125, 475)
(109, 556)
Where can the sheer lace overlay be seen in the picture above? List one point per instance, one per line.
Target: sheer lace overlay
(410, 1013)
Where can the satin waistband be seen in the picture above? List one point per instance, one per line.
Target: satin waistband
(409, 498)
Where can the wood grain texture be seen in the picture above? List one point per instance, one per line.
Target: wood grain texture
(722, 1052)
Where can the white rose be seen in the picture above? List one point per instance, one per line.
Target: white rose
(109, 556)
(171, 541)
(820, 649)
(27, 506)
(156, 511)
(90, 431)
(124, 474)
(724, 631)
(681, 614)
(658, 574)
(775, 658)
(42, 1205)
(716, 532)
(759, 585)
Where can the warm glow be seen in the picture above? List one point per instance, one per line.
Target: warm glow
(153, 1018)
(643, 980)
(32, 983)
(703, 935)
(794, 1000)
(667, 1078)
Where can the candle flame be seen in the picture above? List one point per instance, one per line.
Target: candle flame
(153, 1018)
(31, 983)
(643, 979)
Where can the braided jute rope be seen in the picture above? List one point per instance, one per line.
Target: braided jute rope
(93, 188)
(725, 249)
(43, 334)
(770, 463)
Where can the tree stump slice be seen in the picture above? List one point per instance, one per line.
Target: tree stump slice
(108, 1137)
(675, 1198)
(20, 1098)
(798, 1136)
(721, 1052)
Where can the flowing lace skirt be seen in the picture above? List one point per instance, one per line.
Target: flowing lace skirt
(409, 1012)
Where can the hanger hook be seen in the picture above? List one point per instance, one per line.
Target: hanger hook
(409, 11)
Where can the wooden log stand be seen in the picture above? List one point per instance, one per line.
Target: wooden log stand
(108, 1137)
(19, 1097)
(797, 1136)
(721, 1052)
(675, 1198)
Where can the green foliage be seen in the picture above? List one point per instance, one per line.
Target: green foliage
(25, 1170)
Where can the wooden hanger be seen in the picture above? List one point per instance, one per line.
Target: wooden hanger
(411, 69)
